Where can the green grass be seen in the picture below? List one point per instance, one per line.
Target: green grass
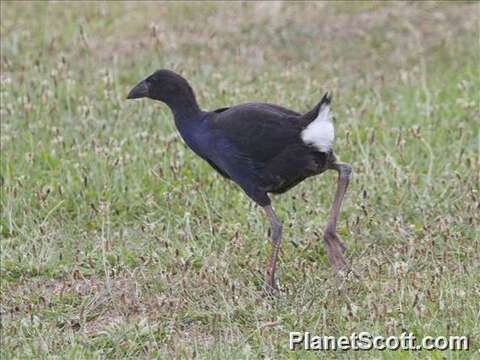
(118, 242)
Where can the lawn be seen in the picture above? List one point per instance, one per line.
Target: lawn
(118, 242)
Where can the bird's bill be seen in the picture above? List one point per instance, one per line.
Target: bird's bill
(139, 91)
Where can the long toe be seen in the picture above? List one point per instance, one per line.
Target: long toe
(332, 237)
(339, 264)
(335, 257)
(271, 288)
(272, 282)
(340, 244)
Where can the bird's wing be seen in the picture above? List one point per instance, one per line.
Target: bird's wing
(220, 110)
(265, 107)
(217, 168)
(258, 131)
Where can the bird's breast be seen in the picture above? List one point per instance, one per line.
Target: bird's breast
(196, 137)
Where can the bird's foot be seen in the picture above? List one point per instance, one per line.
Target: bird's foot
(335, 248)
(332, 237)
(271, 287)
(340, 244)
(336, 258)
(341, 268)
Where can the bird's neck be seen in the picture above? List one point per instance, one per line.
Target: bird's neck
(188, 120)
(185, 109)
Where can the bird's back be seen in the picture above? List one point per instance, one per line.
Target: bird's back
(265, 145)
(258, 131)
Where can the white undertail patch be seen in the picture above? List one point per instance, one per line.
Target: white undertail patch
(320, 132)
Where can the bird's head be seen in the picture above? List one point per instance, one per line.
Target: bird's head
(163, 85)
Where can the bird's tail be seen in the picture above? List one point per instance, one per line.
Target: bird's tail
(318, 130)
(310, 116)
(326, 99)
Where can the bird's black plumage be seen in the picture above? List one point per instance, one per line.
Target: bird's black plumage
(257, 145)
(266, 142)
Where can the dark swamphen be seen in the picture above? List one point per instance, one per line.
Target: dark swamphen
(264, 148)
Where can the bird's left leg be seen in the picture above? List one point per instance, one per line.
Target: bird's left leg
(334, 246)
(276, 228)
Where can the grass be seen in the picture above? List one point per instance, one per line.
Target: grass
(118, 242)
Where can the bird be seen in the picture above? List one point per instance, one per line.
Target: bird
(262, 147)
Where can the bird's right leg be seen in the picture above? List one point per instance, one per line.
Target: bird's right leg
(334, 246)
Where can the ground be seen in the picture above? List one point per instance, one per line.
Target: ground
(118, 242)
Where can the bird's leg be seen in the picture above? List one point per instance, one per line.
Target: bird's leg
(334, 246)
(276, 228)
